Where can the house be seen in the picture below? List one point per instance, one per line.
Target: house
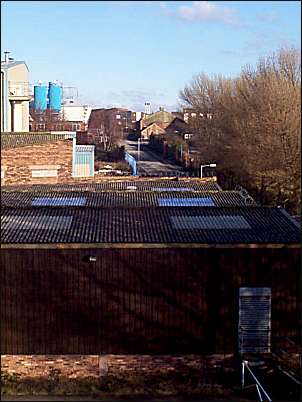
(190, 114)
(110, 269)
(161, 116)
(151, 129)
(163, 122)
(52, 157)
(15, 95)
(180, 127)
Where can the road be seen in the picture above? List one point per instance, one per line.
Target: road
(150, 163)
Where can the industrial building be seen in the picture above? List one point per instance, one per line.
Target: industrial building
(15, 95)
(77, 116)
(152, 267)
(55, 108)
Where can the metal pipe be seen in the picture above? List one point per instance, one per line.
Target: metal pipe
(6, 56)
(242, 375)
(138, 148)
(259, 393)
(257, 382)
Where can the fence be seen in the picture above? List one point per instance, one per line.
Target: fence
(132, 162)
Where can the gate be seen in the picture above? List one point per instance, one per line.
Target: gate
(254, 320)
(132, 162)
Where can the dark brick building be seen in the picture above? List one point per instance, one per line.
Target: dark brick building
(159, 268)
(115, 122)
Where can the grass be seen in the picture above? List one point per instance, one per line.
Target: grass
(157, 384)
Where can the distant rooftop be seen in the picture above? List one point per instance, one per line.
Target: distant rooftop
(158, 185)
(169, 197)
(15, 140)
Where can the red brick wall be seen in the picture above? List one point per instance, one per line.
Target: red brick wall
(81, 366)
(71, 366)
(18, 160)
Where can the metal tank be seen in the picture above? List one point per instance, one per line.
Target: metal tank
(54, 96)
(40, 97)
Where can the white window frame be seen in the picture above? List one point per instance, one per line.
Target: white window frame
(40, 171)
(3, 172)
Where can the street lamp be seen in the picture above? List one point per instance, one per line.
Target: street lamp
(202, 166)
(138, 147)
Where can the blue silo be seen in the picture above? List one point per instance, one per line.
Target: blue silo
(54, 96)
(40, 97)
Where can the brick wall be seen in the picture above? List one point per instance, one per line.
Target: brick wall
(82, 366)
(18, 161)
(71, 366)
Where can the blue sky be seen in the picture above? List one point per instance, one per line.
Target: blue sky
(123, 53)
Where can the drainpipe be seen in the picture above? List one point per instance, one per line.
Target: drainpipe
(5, 99)
(74, 141)
(12, 121)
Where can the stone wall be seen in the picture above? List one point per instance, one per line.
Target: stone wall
(17, 162)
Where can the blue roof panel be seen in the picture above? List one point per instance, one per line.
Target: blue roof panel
(186, 202)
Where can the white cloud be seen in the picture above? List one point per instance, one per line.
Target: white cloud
(204, 11)
(268, 17)
(131, 99)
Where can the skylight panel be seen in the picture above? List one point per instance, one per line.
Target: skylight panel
(36, 222)
(186, 202)
(58, 201)
(171, 189)
(209, 222)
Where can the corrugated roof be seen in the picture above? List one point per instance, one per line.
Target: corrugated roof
(122, 198)
(145, 225)
(115, 185)
(15, 140)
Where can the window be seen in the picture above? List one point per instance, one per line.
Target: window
(44, 170)
(75, 127)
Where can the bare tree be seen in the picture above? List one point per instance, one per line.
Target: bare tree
(254, 133)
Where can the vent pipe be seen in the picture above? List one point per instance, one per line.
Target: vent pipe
(6, 58)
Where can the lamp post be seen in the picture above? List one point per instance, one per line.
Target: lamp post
(138, 148)
(202, 166)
